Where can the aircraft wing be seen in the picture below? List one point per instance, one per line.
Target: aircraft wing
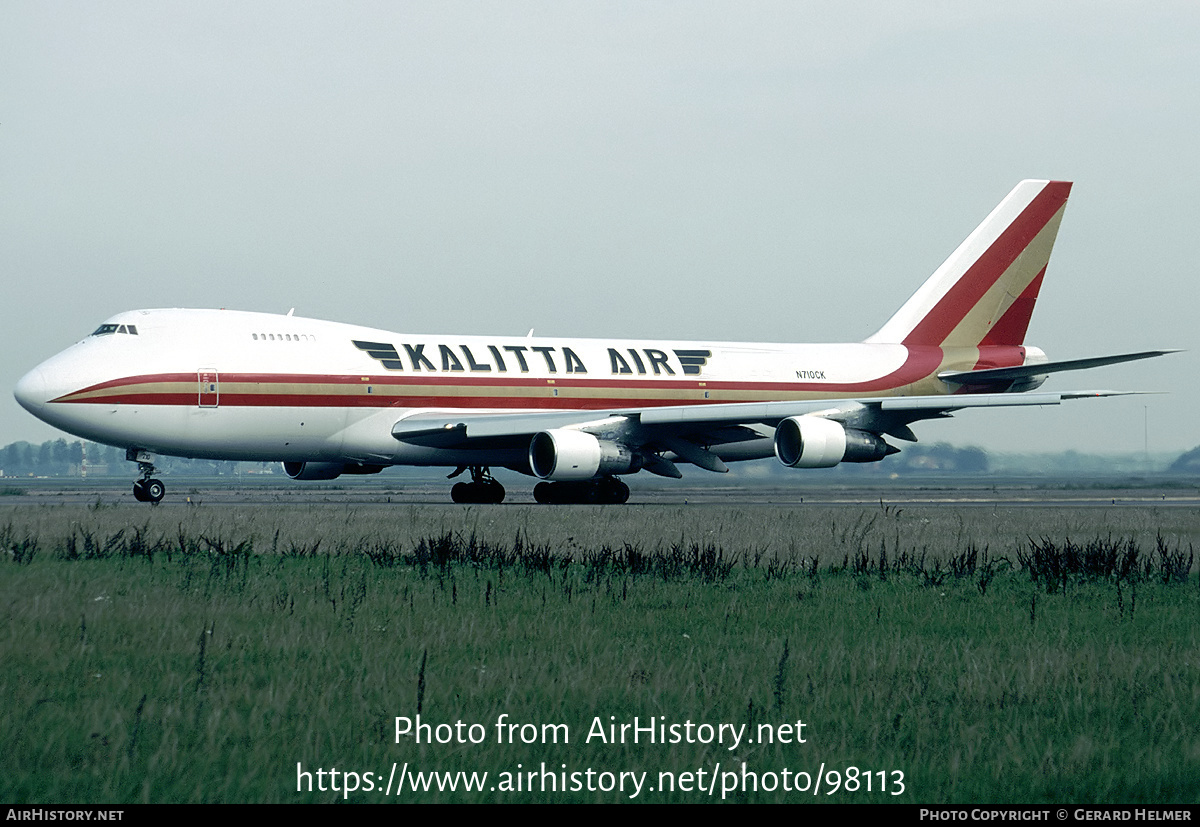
(458, 429)
(700, 433)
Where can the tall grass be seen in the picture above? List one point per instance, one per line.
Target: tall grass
(153, 657)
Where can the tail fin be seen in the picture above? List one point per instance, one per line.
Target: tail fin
(984, 293)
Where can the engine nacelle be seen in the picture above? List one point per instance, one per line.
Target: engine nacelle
(563, 454)
(817, 442)
(326, 470)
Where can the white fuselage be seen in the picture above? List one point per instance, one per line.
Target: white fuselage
(254, 386)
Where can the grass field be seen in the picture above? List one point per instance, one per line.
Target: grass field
(1015, 654)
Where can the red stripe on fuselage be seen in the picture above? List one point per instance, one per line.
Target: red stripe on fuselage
(920, 363)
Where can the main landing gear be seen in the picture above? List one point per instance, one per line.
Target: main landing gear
(604, 491)
(482, 489)
(147, 489)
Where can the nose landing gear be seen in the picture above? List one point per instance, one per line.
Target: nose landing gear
(147, 489)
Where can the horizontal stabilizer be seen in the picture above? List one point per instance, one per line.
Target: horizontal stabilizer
(993, 375)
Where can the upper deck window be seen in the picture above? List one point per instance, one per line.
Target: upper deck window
(280, 337)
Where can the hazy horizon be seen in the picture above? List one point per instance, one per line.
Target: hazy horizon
(755, 171)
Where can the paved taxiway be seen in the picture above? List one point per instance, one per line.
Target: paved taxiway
(185, 491)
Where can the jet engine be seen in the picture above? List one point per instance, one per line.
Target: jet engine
(326, 470)
(563, 454)
(817, 442)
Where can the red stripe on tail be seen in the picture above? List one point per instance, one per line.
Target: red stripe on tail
(953, 307)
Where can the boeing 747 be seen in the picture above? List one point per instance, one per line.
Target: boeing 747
(326, 398)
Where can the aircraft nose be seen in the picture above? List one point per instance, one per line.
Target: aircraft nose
(31, 391)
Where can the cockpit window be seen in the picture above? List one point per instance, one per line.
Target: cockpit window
(105, 329)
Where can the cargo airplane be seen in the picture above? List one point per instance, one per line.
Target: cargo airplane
(326, 398)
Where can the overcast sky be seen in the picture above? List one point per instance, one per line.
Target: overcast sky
(694, 170)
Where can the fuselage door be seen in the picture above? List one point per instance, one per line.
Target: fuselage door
(210, 389)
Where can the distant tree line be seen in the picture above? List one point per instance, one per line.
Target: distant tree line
(1188, 463)
(938, 458)
(59, 458)
(54, 458)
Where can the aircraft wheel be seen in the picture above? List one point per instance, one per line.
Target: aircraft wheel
(613, 491)
(493, 492)
(543, 492)
(155, 491)
(139, 491)
(481, 493)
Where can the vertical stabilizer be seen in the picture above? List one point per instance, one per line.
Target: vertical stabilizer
(984, 293)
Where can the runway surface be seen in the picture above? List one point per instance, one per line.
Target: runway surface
(967, 492)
